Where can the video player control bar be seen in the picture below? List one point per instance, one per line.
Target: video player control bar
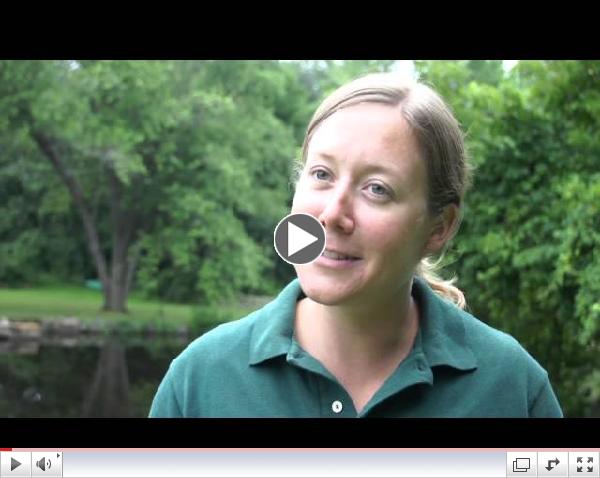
(296, 463)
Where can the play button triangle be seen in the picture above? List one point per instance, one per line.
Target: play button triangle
(298, 239)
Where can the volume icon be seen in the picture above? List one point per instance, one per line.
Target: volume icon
(43, 463)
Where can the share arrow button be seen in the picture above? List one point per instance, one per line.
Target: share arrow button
(553, 464)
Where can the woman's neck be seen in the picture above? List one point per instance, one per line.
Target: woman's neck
(363, 336)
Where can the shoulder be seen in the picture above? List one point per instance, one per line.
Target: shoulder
(233, 343)
(495, 346)
(227, 340)
(507, 367)
(456, 331)
(502, 377)
(219, 363)
(204, 366)
(484, 337)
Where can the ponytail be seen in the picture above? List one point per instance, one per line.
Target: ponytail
(427, 270)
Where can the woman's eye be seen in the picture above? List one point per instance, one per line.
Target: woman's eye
(320, 174)
(379, 190)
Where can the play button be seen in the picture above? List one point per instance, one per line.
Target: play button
(15, 463)
(299, 238)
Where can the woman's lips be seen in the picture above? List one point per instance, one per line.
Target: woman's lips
(334, 254)
(329, 262)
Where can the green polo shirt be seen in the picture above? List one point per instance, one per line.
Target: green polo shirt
(254, 367)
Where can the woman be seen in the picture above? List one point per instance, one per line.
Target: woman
(367, 329)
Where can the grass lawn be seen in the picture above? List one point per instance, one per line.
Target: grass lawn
(70, 301)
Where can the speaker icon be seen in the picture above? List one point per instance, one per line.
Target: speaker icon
(43, 463)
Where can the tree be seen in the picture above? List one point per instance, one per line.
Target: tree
(86, 118)
(169, 164)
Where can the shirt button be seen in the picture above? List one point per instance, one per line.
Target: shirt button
(421, 366)
(337, 406)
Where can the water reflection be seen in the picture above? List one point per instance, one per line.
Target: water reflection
(112, 376)
(109, 394)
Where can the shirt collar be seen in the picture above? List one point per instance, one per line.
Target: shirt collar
(442, 330)
(272, 333)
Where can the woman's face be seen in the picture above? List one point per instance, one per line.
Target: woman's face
(364, 178)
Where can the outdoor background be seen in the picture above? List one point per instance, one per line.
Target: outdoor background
(138, 201)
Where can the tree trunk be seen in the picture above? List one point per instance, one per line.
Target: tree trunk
(115, 295)
(116, 281)
(91, 232)
(122, 227)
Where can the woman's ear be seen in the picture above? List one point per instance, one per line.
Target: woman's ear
(443, 229)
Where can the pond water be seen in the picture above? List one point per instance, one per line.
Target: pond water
(111, 376)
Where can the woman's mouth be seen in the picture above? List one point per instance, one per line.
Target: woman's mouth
(337, 260)
(338, 256)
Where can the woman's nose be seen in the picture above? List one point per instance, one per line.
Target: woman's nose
(337, 214)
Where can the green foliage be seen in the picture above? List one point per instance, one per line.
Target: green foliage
(229, 165)
(526, 254)
(201, 152)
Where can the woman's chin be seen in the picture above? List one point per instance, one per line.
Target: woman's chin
(326, 291)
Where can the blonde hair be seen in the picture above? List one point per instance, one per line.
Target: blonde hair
(439, 136)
